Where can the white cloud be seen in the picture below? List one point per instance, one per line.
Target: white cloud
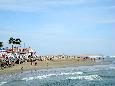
(35, 5)
(38, 5)
(19, 5)
(107, 21)
(2, 33)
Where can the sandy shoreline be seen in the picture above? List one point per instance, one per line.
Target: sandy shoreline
(49, 64)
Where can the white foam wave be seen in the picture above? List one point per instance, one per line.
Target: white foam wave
(36, 77)
(112, 67)
(49, 75)
(90, 77)
(2, 83)
(79, 73)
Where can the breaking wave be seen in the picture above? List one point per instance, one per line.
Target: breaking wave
(49, 75)
(2, 83)
(98, 75)
(90, 77)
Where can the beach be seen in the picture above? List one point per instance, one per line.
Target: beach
(48, 64)
(57, 74)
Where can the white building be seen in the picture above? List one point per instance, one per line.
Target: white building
(92, 55)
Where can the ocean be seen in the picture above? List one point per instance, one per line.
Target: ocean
(97, 75)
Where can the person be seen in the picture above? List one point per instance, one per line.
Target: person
(35, 63)
(31, 61)
(22, 68)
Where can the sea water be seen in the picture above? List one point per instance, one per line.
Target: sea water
(97, 75)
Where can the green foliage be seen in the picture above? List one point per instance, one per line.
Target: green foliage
(14, 41)
(18, 41)
(11, 40)
(1, 44)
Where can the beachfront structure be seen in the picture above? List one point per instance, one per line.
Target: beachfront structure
(18, 54)
(92, 55)
(2, 51)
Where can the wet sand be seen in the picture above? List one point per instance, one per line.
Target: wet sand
(49, 64)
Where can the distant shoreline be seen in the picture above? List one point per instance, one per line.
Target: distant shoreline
(26, 66)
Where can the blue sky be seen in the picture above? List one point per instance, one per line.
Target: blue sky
(60, 26)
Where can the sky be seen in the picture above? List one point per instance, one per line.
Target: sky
(50, 27)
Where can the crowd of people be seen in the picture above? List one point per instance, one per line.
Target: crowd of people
(9, 57)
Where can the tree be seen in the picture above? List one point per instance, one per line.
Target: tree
(14, 41)
(18, 41)
(1, 44)
(11, 40)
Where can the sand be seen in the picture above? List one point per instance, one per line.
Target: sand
(49, 64)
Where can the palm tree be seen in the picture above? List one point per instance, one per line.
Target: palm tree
(12, 41)
(1, 44)
(18, 41)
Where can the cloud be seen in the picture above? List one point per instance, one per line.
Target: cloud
(5, 33)
(36, 5)
(40, 5)
(19, 5)
(109, 21)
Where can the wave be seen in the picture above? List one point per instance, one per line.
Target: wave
(90, 77)
(112, 67)
(61, 73)
(113, 62)
(49, 75)
(2, 83)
